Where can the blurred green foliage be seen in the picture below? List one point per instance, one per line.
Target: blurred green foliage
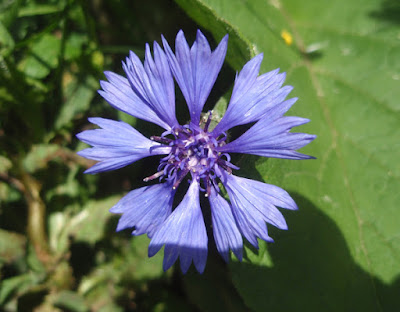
(58, 246)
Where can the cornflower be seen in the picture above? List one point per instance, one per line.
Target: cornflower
(195, 152)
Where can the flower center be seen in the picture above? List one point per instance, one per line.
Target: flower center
(194, 151)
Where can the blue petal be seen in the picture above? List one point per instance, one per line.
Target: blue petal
(253, 96)
(145, 208)
(253, 204)
(270, 136)
(153, 83)
(226, 233)
(195, 69)
(120, 95)
(116, 145)
(184, 234)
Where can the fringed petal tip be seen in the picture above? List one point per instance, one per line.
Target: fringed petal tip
(226, 233)
(183, 234)
(125, 94)
(254, 204)
(145, 209)
(253, 95)
(271, 136)
(186, 256)
(195, 69)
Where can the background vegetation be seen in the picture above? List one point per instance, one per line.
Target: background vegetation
(58, 246)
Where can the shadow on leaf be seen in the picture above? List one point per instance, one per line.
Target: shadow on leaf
(389, 11)
(312, 270)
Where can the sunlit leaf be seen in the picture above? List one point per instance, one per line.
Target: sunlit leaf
(88, 225)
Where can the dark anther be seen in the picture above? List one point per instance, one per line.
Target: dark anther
(160, 139)
(208, 121)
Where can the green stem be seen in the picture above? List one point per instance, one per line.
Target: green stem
(36, 218)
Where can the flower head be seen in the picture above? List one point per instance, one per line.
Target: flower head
(194, 152)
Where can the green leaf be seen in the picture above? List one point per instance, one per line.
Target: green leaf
(43, 57)
(129, 119)
(16, 285)
(8, 194)
(79, 93)
(74, 46)
(86, 226)
(9, 11)
(39, 156)
(130, 264)
(342, 250)
(213, 290)
(71, 301)
(138, 262)
(12, 246)
(127, 269)
(6, 40)
(89, 224)
(39, 9)
(5, 164)
(58, 235)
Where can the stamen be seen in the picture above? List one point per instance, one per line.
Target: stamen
(154, 176)
(223, 163)
(194, 150)
(182, 174)
(208, 121)
(185, 132)
(161, 139)
(222, 137)
(228, 157)
(165, 133)
(208, 187)
(167, 168)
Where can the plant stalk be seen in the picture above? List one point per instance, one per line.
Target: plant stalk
(36, 218)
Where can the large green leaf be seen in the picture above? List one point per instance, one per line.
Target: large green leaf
(342, 249)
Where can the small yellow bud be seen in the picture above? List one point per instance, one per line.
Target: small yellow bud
(287, 37)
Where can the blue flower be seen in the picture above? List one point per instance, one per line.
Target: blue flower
(195, 152)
